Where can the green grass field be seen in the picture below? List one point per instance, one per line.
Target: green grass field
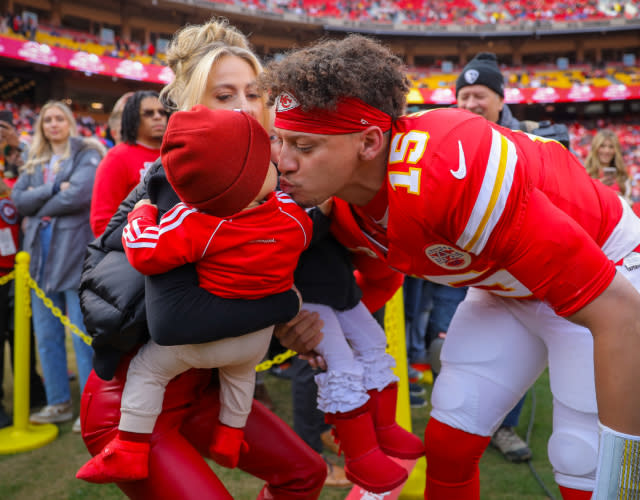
(48, 473)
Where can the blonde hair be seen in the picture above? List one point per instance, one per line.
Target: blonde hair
(40, 151)
(592, 163)
(192, 52)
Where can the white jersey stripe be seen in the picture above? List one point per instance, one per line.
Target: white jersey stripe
(204, 252)
(135, 238)
(482, 202)
(493, 194)
(503, 185)
(127, 233)
(304, 233)
(132, 241)
(141, 245)
(135, 228)
(164, 227)
(175, 212)
(284, 197)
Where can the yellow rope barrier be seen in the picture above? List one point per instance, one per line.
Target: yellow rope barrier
(277, 360)
(57, 312)
(7, 278)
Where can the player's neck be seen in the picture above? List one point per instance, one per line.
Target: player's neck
(368, 180)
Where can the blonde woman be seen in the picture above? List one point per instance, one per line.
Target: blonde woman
(605, 162)
(53, 193)
(213, 66)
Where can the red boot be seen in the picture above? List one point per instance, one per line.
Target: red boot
(393, 439)
(365, 464)
(228, 443)
(572, 494)
(119, 461)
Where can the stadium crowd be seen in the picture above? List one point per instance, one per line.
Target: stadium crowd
(447, 12)
(408, 12)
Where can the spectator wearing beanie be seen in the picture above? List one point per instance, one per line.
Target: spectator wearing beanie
(480, 88)
(245, 240)
(482, 70)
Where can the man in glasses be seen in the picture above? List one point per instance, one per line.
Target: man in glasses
(144, 121)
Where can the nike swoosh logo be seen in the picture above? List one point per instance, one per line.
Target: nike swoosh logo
(461, 173)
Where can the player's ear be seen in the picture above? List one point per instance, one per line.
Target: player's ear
(371, 142)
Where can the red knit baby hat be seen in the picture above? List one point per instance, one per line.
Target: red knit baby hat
(216, 160)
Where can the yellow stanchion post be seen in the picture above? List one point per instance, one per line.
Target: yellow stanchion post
(23, 436)
(394, 324)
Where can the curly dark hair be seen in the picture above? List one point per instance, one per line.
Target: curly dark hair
(131, 115)
(356, 66)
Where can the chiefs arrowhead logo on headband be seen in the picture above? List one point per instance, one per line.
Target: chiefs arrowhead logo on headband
(285, 102)
(349, 115)
(471, 75)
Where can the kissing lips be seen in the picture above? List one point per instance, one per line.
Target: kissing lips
(285, 185)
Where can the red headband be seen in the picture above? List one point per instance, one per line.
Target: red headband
(351, 115)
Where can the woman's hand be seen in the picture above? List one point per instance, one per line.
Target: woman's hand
(302, 334)
(326, 206)
(143, 201)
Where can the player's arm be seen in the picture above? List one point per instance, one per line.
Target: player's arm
(156, 248)
(578, 280)
(614, 320)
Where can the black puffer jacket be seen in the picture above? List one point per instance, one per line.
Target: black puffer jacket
(112, 294)
(325, 273)
(115, 298)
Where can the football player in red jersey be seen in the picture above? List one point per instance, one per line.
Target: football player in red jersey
(450, 197)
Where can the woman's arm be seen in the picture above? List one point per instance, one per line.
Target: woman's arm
(180, 312)
(29, 199)
(73, 195)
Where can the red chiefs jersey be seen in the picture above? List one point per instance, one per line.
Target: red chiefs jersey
(122, 168)
(8, 235)
(470, 203)
(249, 255)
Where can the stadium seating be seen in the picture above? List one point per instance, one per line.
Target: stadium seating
(537, 76)
(406, 12)
(449, 11)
